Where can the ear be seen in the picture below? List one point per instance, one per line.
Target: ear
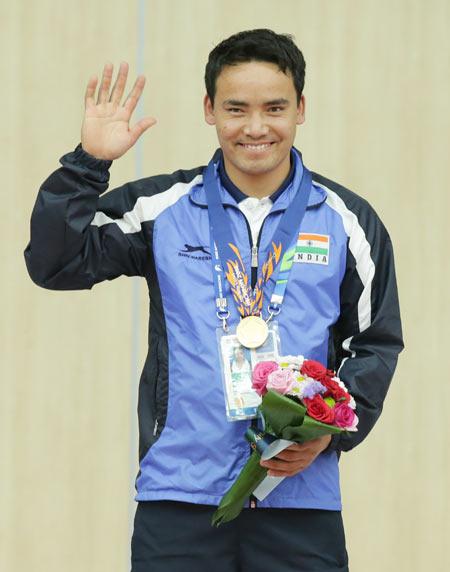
(208, 109)
(301, 110)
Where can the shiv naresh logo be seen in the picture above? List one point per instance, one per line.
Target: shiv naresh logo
(190, 250)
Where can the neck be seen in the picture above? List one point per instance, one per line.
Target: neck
(261, 185)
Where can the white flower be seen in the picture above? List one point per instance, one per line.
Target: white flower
(339, 382)
(296, 388)
(294, 362)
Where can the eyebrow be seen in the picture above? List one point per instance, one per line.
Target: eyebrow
(272, 102)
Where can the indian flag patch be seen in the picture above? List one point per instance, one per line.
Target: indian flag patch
(312, 248)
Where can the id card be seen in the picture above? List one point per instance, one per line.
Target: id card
(237, 363)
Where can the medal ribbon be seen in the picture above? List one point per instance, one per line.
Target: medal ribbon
(226, 256)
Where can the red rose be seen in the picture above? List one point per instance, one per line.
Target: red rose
(340, 394)
(329, 383)
(334, 390)
(319, 410)
(314, 369)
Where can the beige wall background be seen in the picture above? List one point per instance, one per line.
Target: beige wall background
(377, 89)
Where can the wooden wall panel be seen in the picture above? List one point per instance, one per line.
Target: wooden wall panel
(65, 368)
(377, 121)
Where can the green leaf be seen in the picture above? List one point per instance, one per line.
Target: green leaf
(288, 419)
(233, 501)
(311, 429)
(280, 411)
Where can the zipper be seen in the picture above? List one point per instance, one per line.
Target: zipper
(254, 249)
(254, 256)
(157, 353)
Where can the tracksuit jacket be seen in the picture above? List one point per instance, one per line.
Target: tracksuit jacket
(342, 311)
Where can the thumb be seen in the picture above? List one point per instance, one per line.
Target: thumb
(141, 126)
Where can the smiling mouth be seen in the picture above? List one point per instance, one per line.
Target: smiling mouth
(256, 146)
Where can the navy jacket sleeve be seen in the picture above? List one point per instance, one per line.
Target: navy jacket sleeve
(367, 338)
(72, 245)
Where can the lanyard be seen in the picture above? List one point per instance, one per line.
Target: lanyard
(226, 258)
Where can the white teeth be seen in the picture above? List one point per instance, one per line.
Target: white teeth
(257, 147)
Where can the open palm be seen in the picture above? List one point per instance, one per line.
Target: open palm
(106, 132)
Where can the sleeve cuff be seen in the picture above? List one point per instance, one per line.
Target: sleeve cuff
(333, 444)
(90, 161)
(87, 166)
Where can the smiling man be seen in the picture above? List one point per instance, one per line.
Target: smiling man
(255, 198)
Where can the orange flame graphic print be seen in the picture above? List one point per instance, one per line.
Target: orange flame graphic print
(247, 303)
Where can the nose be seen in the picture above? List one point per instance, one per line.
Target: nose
(255, 126)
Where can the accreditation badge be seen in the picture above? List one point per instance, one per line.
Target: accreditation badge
(237, 363)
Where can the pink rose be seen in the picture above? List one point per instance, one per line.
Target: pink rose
(281, 380)
(260, 374)
(344, 416)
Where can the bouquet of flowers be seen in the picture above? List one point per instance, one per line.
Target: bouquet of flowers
(301, 400)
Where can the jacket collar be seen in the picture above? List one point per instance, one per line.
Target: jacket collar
(316, 197)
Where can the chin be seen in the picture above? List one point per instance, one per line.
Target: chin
(258, 167)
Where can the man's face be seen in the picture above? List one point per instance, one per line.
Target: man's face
(256, 114)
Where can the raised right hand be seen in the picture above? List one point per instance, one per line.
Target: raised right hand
(106, 132)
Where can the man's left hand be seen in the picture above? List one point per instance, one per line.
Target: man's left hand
(296, 457)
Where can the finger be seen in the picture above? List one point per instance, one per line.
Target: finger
(278, 465)
(135, 94)
(90, 92)
(103, 92)
(287, 471)
(119, 86)
(141, 126)
(290, 455)
(296, 447)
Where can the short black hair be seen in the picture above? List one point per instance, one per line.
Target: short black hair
(262, 45)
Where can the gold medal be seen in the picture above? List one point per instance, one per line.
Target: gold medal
(252, 332)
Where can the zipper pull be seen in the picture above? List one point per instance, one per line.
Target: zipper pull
(254, 256)
(155, 428)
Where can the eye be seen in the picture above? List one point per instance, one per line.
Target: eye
(234, 110)
(276, 109)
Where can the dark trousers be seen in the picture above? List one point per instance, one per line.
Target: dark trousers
(174, 536)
